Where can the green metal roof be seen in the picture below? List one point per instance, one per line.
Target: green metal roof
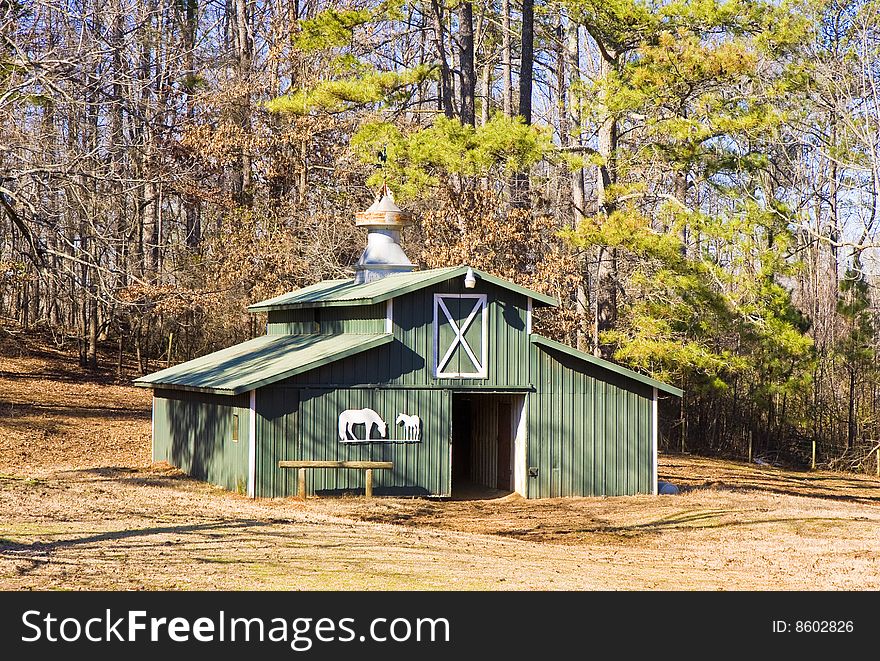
(604, 364)
(345, 292)
(259, 362)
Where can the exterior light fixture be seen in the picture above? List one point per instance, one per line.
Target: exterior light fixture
(470, 280)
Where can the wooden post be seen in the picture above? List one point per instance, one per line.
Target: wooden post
(684, 431)
(813, 462)
(369, 482)
(301, 488)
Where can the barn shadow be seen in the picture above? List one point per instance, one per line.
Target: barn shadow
(19, 409)
(794, 490)
(391, 492)
(215, 528)
(136, 476)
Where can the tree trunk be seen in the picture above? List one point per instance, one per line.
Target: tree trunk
(468, 87)
(242, 183)
(570, 135)
(93, 328)
(191, 205)
(445, 100)
(573, 105)
(681, 186)
(521, 179)
(506, 59)
(526, 64)
(851, 411)
(486, 85)
(606, 280)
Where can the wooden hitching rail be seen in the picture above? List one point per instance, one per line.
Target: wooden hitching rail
(368, 466)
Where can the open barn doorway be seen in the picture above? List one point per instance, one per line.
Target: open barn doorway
(488, 444)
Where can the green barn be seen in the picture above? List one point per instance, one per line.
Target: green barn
(437, 372)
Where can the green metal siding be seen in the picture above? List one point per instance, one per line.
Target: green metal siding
(589, 430)
(508, 342)
(193, 431)
(277, 438)
(302, 424)
(408, 361)
(291, 322)
(605, 365)
(364, 319)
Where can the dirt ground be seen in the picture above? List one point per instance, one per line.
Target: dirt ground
(82, 508)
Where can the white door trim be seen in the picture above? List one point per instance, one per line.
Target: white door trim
(654, 435)
(520, 447)
(153, 429)
(252, 445)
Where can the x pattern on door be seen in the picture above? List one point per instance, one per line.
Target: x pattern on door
(443, 355)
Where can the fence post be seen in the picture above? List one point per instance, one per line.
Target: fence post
(168, 359)
(684, 432)
(368, 490)
(301, 487)
(813, 462)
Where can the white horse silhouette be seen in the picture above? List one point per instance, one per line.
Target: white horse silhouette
(367, 417)
(412, 425)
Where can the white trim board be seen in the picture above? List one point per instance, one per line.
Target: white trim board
(252, 446)
(389, 316)
(153, 429)
(654, 434)
(520, 446)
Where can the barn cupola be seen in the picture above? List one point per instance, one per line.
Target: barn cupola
(383, 254)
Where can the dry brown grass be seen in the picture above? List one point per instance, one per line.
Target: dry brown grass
(53, 414)
(81, 508)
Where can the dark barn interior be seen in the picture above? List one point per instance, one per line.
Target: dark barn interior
(484, 428)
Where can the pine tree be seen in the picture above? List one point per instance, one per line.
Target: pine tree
(855, 348)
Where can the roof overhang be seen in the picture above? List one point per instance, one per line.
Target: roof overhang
(260, 362)
(339, 293)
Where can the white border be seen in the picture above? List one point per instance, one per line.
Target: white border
(252, 446)
(529, 316)
(654, 432)
(389, 316)
(483, 373)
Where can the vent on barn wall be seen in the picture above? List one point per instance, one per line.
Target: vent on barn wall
(383, 254)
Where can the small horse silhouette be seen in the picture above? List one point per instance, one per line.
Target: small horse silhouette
(367, 417)
(412, 425)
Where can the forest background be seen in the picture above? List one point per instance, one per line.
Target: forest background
(697, 182)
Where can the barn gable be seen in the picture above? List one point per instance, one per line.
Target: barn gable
(495, 336)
